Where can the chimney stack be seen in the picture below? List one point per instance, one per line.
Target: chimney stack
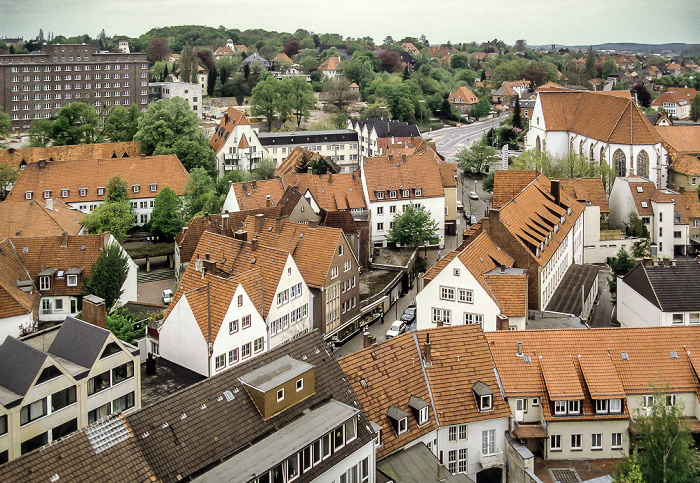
(427, 354)
(330, 177)
(278, 225)
(403, 158)
(241, 235)
(520, 348)
(95, 311)
(254, 244)
(49, 203)
(259, 220)
(42, 163)
(502, 322)
(268, 201)
(64, 239)
(556, 191)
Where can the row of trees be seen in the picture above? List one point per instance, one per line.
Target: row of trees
(292, 96)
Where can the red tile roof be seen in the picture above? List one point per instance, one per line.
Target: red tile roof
(591, 190)
(509, 183)
(33, 218)
(331, 63)
(16, 157)
(57, 176)
(13, 300)
(463, 95)
(687, 165)
(232, 117)
(684, 139)
(405, 172)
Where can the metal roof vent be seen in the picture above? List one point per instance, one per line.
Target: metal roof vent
(144, 435)
(203, 407)
(527, 359)
(625, 356)
(53, 478)
(183, 416)
(674, 355)
(363, 383)
(219, 399)
(164, 425)
(229, 396)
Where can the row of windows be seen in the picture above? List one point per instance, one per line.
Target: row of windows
(55, 306)
(70, 77)
(464, 295)
(348, 284)
(289, 294)
(108, 379)
(86, 86)
(577, 442)
(122, 403)
(445, 316)
(78, 58)
(235, 355)
(288, 320)
(457, 459)
(404, 193)
(245, 322)
(349, 304)
(303, 461)
(48, 405)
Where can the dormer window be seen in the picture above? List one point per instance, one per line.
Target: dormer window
(574, 407)
(419, 408)
(100, 191)
(47, 194)
(28, 195)
(45, 283)
(300, 384)
(64, 193)
(406, 193)
(418, 192)
(483, 395)
(559, 408)
(83, 192)
(280, 394)
(154, 187)
(392, 194)
(136, 188)
(399, 419)
(72, 280)
(379, 195)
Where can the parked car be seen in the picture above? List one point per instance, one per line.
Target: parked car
(397, 328)
(167, 296)
(460, 206)
(409, 315)
(473, 195)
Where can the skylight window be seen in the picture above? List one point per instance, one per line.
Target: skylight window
(645, 204)
(640, 189)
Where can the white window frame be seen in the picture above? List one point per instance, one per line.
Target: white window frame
(486, 403)
(560, 408)
(555, 442)
(441, 315)
(402, 426)
(488, 442)
(379, 195)
(618, 406)
(576, 442)
(466, 296)
(447, 293)
(72, 280)
(616, 441)
(597, 441)
(423, 415)
(45, 282)
(220, 362)
(280, 394)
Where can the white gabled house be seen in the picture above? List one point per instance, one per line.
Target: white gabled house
(476, 284)
(237, 300)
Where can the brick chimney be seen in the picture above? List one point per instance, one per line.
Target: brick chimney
(254, 244)
(555, 187)
(427, 351)
(502, 322)
(259, 221)
(268, 201)
(330, 178)
(241, 235)
(279, 222)
(64, 239)
(95, 311)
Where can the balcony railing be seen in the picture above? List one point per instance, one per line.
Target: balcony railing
(491, 460)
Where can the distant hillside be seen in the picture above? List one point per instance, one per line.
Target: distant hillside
(634, 47)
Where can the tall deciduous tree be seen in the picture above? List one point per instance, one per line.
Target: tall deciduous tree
(590, 63)
(476, 158)
(158, 49)
(337, 92)
(166, 218)
(300, 97)
(620, 266)
(667, 452)
(413, 228)
(265, 100)
(200, 194)
(76, 123)
(117, 190)
(482, 108)
(390, 61)
(108, 274)
(5, 124)
(123, 123)
(292, 47)
(695, 108)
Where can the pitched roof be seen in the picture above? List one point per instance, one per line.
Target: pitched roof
(647, 350)
(40, 253)
(57, 176)
(660, 285)
(508, 183)
(215, 430)
(224, 51)
(13, 300)
(532, 216)
(312, 248)
(19, 367)
(685, 164)
(342, 220)
(567, 297)
(643, 192)
(460, 359)
(607, 118)
(331, 63)
(16, 157)
(684, 139)
(232, 117)
(385, 127)
(589, 190)
(281, 57)
(687, 205)
(405, 172)
(684, 96)
(463, 95)
(33, 218)
(332, 192)
(297, 161)
(79, 342)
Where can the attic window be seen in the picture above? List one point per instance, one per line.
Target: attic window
(644, 204)
(112, 348)
(64, 193)
(406, 193)
(48, 373)
(484, 396)
(674, 355)
(399, 419)
(136, 188)
(418, 192)
(27, 195)
(154, 187)
(640, 189)
(392, 194)
(379, 195)
(100, 191)
(280, 394)
(83, 192)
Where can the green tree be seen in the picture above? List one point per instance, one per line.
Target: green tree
(487, 182)
(108, 274)
(237, 87)
(667, 452)
(5, 124)
(116, 218)
(188, 64)
(609, 68)
(122, 324)
(517, 118)
(200, 194)
(482, 108)
(476, 158)
(590, 63)
(265, 99)
(337, 92)
(628, 470)
(123, 123)
(300, 97)
(8, 176)
(459, 61)
(695, 108)
(117, 190)
(76, 123)
(414, 228)
(39, 133)
(264, 169)
(620, 266)
(166, 218)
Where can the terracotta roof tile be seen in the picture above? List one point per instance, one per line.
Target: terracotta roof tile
(252, 195)
(510, 292)
(687, 165)
(331, 63)
(281, 57)
(312, 248)
(684, 139)
(509, 183)
(687, 204)
(342, 220)
(463, 95)
(32, 218)
(297, 161)
(13, 300)
(57, 176)
(232, 117)
(591, 190)
(642, 193)
(398, 173)
(561, 378)
(332, 192)
(15, 157)
(601, 377)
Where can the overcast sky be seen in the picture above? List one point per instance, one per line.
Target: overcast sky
(539, 22)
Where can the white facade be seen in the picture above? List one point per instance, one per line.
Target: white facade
(233, 156)
(345, 154)
(13, 325)
(291, 311)
(183, 341)
(192, 93)
(455, 297)
(633, 310)
(143, 208)
(569, 251)
(353, 466)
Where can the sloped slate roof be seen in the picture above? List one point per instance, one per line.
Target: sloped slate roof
(19, 366)
(79, 342)
(670, 289)
(567, 297)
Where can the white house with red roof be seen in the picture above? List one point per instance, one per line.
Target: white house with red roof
(331, 68)
(463, 99)
(601, 127)
(236, 143)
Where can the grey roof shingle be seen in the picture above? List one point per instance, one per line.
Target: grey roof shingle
(669, 288)
(19, 365)
(567, 297)
(79, 342)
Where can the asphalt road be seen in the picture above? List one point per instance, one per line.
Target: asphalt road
(449, 141)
